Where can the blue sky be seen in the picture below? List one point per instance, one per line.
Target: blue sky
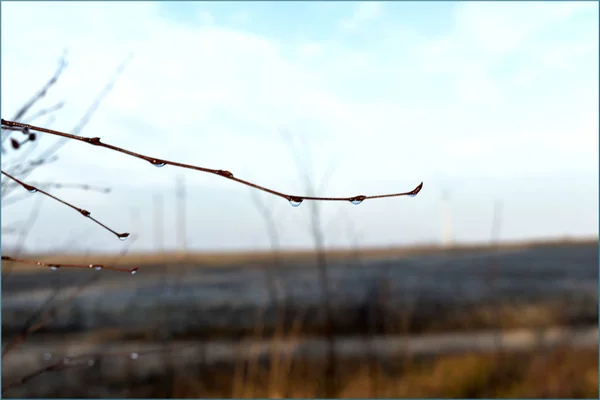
(491, 101)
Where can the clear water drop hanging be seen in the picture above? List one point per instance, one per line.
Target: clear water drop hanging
(134, 356)
(357, 200)
(295, 201)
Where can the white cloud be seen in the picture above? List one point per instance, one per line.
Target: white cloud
(311, 49)
(216, 96)
(363, 12)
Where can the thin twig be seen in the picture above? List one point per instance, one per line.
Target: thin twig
(85, 213)
(39, 95)
(92, 109)
(294, 199)
(46, 111)
(56, 266)
(24, 171)
(50, 152)
(44, 90)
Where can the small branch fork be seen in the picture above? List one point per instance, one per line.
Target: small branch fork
(293, 199)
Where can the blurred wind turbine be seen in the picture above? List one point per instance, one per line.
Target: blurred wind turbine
(446, 219)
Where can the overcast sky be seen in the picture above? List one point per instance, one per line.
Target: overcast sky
(490, 102)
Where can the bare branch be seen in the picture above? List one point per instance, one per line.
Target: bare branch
(85, 213)
(46, 111)
(29, 165)
(293, 199)
(92, 109)
(57, 266)
(50, 152)
(44, 90)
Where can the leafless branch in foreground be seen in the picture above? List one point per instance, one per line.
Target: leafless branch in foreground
(17, 173)
(40, 94)
(293, 199)
(85, 213)
(49, 153)
(91, 109)
(57, 266)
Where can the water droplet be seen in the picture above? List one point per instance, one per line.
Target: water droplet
(91, 363)
(133, 271)
(30, 188)
(97, 267)
(412, 195)
(47, 356)
(157, 163)
(54, 267)
(123, 236)
(295, 201)
(134, 356)
(357, 200)
(15, 144)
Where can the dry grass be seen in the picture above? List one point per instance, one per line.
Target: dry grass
(563, 373)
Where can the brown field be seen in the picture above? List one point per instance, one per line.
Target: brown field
(177, 299)
(215, 259)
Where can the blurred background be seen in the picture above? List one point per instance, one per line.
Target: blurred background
(483, 285)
